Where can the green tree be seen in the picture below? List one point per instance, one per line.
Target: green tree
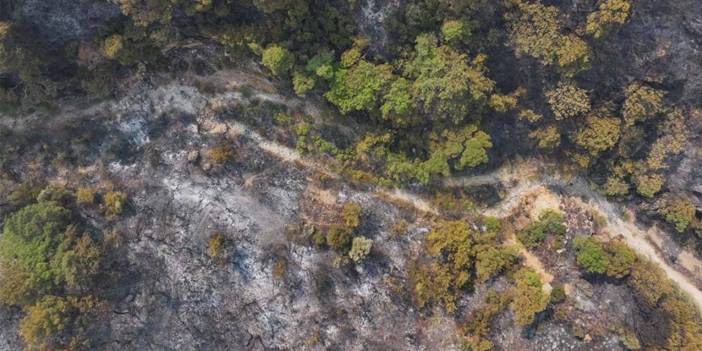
(529, 115)
(465, 147)
(359, 87)
(59, 323)
(432, 284)
(454, 31)
(647, 185)
(269, 6)
(112, 45)
(4, 30)
(549, 223)
(673, 134)
(85, 196)
(113, 203)
(31, 238)
(278, 59)
(451, 239)
(145, 12)
(446, 86)
(649, 282)
(504, 103)
(351, 214)
(621, 259)
(398, 105)
(215, 245)
(591, 256)
(558, 295)
(339, 238)
(547, 138)
(78, 260)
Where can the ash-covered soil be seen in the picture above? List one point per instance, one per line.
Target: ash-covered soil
(153, 144)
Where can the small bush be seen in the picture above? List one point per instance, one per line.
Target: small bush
(215, 245)
(85, 196)
(114, 202)
(558, 295)
(360, 248)
(339, 238)
(279, 269)
(221, 154)
(399, 228)
(352, 214)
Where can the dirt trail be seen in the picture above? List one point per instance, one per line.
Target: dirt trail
(635, 236)
(527, 177)
(235, 128)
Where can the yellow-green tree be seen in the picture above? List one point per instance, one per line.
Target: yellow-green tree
(599, 134)
(529, 298)
(567, 100)
(536, 30)
(610, 14)
(278, 59)
(677, 210)
(547, 138)
(642, 102)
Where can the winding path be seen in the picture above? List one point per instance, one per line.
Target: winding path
(634, 236)
(523, 183)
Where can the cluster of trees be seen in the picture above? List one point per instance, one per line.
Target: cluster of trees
(476, 328)
(613, 259)
(537, 30)
(54, 270)
(344, 237)
(459, 257)
(669, 307)
(664, 303)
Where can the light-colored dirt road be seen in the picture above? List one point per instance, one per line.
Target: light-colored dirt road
(527, 179)
(524, 178)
